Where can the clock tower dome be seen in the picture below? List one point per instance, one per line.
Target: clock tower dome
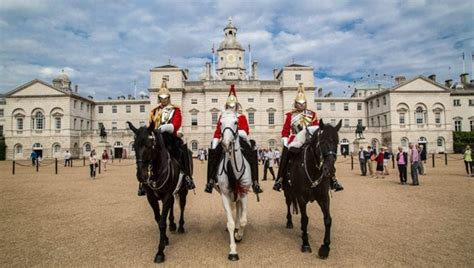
(230, 62)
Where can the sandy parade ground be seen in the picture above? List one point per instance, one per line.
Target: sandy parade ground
(70, 220)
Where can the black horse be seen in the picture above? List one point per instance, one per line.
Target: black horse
(310, 171)
(160, 175)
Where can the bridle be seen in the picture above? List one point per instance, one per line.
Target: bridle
(320, 156)
(235, 135)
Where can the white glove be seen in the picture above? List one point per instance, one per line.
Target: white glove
(312, 129)
(166, 128)
(214, 143)
(284, 141)
(244, 136)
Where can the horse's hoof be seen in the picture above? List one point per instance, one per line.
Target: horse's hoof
(160, 258)
(181, 230)
(233, 257)
(289, 225)
(173, 227)
(323, 252)
(306, 249)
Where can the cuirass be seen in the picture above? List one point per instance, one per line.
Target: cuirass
(165, 115)
(301, 120)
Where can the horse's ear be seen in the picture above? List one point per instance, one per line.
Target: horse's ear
(132, 127)
(338, 126)
(321, 124)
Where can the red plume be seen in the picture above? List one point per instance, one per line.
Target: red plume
(232, 90)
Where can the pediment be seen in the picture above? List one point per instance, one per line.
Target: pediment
(35, 88)
(420, 84)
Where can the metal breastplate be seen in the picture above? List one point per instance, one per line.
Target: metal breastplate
(164, 115)
(301, 120)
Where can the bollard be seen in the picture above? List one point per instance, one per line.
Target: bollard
(433, 159)
(56, 165)
(84, 161)
(352, 162)
(70, 161)
(37, 165)
(393, 162)
(13, 167)
(100, 164)
(445, 159)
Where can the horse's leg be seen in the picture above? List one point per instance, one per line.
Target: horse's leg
(305, 247)
(160, 255)
(233, 256)
(238, 214)
(154, 204)
(324, 204)
(171, 217)
(182, 204)
(242, 219)
(289, 223)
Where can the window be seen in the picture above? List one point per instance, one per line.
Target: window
(371, 103)
(19, 123)
(319, 106)
(194, 146)
(402, 118)
(114, 125)
(346, 106)
(19, 149)
(377, 102)
(194, 120)
(471, 102)
(2, 113)
(297, 77)
(38, 120)
(438, 118)
(250, 99)
(419, 115)
(404, 143)
(75, 123)
(333, 106)
(82, 124)
(87, 107)
(385, 120)
(101, 109)
(384, 100)
(87, 125)
(75, 104)
(57, 122)
(251, 118)
(87, 147)
(440, 142)
(214, 100)
(128, 109)
(114, 109)
(359, 106)
(457, 125)
(57, 148)
(82, 106)
(271, 100)
(378, 121)
(271, 118)
(346, 122)
(214, 119)
(194, 101)
(142, 108)
(372, 121)
(457, 102)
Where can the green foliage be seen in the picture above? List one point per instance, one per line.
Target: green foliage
(3, 148)
(461, 139)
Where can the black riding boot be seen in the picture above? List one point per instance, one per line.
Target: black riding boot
(281, 170)
(335, 185)
(141, 190)
(252, 157)
(187, 167)
(212, 162)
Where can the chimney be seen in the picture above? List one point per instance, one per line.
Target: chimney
(448, 83)
(432, 77)
(320, 92)
(208, 71)
(254, 71)
(76, 88)
(464, 78)
(399, 79)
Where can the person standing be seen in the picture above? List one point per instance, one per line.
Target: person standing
(422, 162)
(105, 159)
(277, 157)
(468, 160)
(34, 158)
(93, 164)
(371, 160)
(415, 158)
(268, 164)
(402, 159)
(380, 159)
(386, 157)
(67, 159)
(362, 161)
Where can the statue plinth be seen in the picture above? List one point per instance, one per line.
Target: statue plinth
(360, 142)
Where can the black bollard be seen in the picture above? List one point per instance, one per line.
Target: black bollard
(37, 165)
(352, 162)
(84, 161)
(56, 165)
(393, 162)
(13, 167)
(433, 159)
(100, 164)
(70, 161)
(445, 159)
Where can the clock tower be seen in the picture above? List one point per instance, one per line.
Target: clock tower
(230, 61)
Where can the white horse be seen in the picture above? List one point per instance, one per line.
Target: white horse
(233, 180)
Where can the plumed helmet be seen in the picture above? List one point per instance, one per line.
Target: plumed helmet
(300, 96)
(232, 98)
(163, 92)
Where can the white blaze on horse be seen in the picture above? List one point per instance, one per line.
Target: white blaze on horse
(233, 181)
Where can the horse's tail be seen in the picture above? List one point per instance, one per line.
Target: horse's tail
(294, 202)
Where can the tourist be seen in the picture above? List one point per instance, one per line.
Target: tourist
(402, 160)
(468, 160)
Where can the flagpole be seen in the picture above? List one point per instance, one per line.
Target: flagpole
(250, 63)
(463, 64)
(213, 63)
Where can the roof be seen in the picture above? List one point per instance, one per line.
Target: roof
(167, 66)
(295, 65)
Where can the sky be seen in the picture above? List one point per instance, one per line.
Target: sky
(107, 46)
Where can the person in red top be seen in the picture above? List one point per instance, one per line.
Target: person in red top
(248, 146)
(167, 118)
(300, 118)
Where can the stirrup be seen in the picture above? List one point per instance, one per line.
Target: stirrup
(256, 188)
(209, 187)
(277, 185)
(336, 186)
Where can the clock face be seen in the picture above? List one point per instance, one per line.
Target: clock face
(231, 58)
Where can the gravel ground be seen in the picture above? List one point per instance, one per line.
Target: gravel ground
(71, 220)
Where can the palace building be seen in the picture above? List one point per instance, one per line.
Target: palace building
(53, 118)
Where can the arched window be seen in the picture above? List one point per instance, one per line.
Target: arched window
(419, 116)
(18, 149)
(404, 143)
(440, 142)
(194, 146)
(38, 120)
(271, 144)
(56, 148)
(87, 147)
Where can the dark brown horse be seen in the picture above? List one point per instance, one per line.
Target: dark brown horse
(160, 175)
(308, 179)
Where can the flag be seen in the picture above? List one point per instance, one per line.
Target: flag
(463, 56)
(249, 47)
(212, 48)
